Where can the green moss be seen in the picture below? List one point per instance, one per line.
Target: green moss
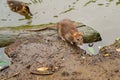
(24, 27)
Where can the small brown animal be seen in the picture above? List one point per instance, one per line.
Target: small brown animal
(68, 32)
(19, 7)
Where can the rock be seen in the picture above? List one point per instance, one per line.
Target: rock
(6, 39)
(89, 34)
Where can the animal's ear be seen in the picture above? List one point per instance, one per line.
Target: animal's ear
(24, 8)
(74, 35)
(80, 33)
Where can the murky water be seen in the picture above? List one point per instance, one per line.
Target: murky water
(103, 15)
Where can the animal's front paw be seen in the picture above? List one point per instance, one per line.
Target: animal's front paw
(62, 38)
(71, 43)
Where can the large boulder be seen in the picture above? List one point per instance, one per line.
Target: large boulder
(89, 34)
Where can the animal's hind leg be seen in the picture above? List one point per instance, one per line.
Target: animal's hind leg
(60, 34)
